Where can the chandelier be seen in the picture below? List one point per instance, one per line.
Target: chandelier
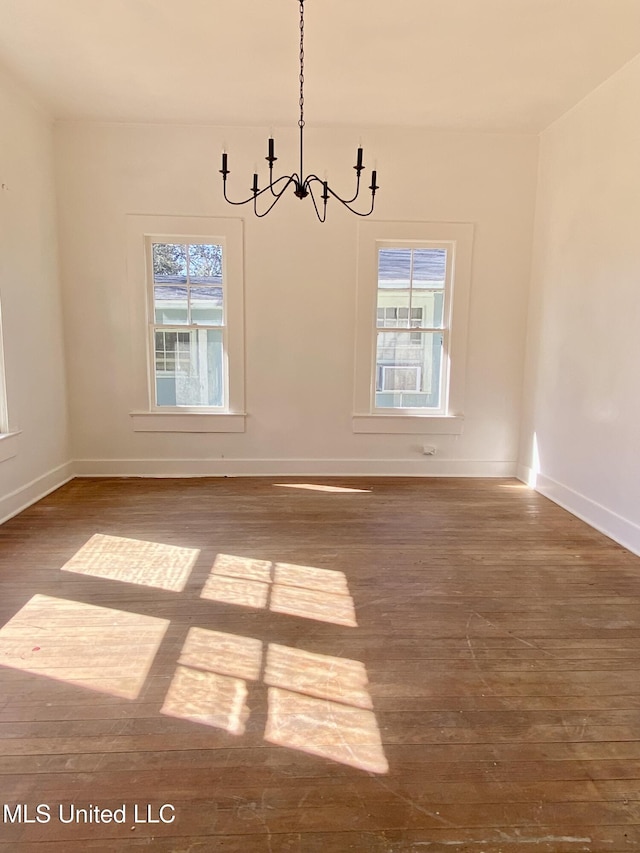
(302, 186)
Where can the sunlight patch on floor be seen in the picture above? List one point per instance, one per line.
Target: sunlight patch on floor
(314, 487)
(208, 698)
(313, 604)
(95, 647)
(324, 676)
(246, 593)
(304, 591)
(308, 577)
(242, 567)
(227, 654)
(238, 580)
(319, 704)
(331, 730)
(134, 561)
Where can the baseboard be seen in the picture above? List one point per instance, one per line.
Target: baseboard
(527, 475)
(21, 498)
(422, 467)
(620, 529)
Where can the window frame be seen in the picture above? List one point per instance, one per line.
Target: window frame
(8, 439)
(153, 326)
(421, 329)
(143, 231)
(457, 238)
(4, 419)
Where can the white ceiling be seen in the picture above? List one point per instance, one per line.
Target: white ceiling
(475, 64)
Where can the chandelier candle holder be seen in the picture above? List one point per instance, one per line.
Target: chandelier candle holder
(302, 186)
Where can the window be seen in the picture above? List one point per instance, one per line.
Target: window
(409, 365)
(8, 440)
(4, 425)
(188, 331)
(413, 287)
(192, 267)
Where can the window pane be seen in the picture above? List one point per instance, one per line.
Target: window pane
(206, 306)
(215, 367)
(172, 350)
(205, 264)
(165, 350)
(189, 367)
(170, 304)
(394, 268)
(169, 263)
(429, 268)
(408, 370)
(393, 309)
(428, 306)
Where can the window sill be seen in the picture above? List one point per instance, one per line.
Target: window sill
(409, 424)
(8, 445)
(187, 422)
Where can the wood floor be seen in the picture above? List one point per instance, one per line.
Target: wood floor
(381, 665)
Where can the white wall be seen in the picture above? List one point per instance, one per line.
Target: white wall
(582, 394)
(299, 295)
(31, 304)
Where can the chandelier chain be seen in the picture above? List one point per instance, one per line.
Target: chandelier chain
(301, 121)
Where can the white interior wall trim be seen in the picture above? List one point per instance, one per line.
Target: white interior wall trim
(526, 475)
(408, 424)
(620, 529)
(30, 493)
(293, 467)
(9, 442)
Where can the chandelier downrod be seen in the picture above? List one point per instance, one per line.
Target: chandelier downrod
(302, 186)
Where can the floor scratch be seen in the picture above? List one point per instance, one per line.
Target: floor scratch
(413, 804)
(511, 634)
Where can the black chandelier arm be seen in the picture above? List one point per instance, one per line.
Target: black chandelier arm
(355, 195)
(272, 183)
(347, 204)
(333, 193)
(311, 179)
(288, 178)
(229, 200)
(308, 184)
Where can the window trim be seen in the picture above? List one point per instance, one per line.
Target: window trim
(449, 418)
(188, 421)
(9, 443)
(146, 416)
